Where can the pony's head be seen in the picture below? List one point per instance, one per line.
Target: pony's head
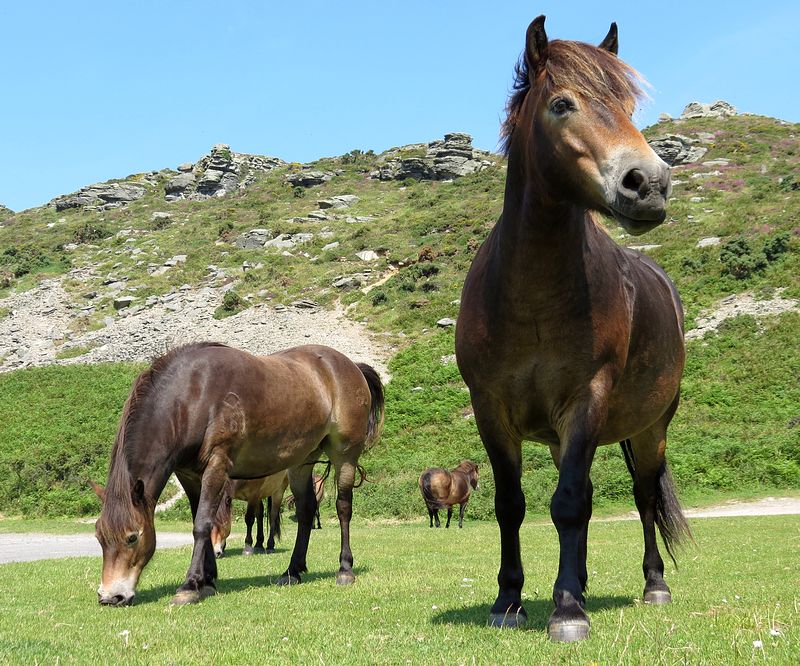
(471, 470)
(221, 527)
(569, 125)
(127, 535)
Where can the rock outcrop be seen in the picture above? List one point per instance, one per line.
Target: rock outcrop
(440, 160)
(101, 196)
(309, 178)
(219, 173)
(676, 149)
(718, 109)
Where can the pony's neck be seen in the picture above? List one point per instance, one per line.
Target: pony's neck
(151, 466)
(538, 235)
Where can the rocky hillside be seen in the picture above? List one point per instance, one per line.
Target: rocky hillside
(368, 253)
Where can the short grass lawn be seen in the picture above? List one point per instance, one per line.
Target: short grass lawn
(422, 597)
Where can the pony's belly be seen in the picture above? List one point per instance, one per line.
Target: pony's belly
(262, 457)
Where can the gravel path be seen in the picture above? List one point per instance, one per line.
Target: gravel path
(27, 547)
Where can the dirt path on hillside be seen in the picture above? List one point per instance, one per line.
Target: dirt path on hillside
(36, 546)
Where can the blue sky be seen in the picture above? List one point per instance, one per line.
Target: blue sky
(99, 90)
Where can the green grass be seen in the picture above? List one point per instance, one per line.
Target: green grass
(422, 596)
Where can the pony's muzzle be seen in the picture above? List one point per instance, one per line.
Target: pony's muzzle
(115, 600)
(639, 198)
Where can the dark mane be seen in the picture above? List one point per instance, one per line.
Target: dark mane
(117, 512)
(587, 70)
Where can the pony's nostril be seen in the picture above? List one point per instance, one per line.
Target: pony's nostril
(634, 181)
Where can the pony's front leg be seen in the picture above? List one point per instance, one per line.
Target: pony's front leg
(305, 502)
(345, 478)
(571, 509)
(202, 573)
(449, 516)
(259, 547)
(249, 519)
(505, 455)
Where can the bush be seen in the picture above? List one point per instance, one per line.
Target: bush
(231, 304)
(739, 260)
(24, 259)
(90, 231)
(774, 247)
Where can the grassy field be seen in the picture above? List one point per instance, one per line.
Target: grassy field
(422, 597)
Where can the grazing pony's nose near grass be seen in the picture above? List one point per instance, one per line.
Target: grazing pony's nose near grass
(115, 600)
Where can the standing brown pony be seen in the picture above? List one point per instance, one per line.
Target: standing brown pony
(209, 412)
(564, 337)
(442, 488)
(252, 491)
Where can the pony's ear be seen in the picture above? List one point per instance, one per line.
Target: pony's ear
(137, 492)
(610, 42)
(98, 490)
(536, 46)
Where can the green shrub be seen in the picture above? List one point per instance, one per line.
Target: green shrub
(89, 232)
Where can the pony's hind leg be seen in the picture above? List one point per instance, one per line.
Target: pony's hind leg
(305, 501)
(449, 516)
(657, 504)
(345, 479)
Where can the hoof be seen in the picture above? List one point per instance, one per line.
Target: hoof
(258, 550)
(657, 597)
(509, 620)
(568, 632)
(270, 551)
(187, 597)
(345, 578)
(247, 550)
(288, 579)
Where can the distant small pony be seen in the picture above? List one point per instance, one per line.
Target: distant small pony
(442, 488)
(252, 491)
(319, 494)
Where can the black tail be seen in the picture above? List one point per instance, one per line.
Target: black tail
(672, 524)
(427, 493)
(376, 408)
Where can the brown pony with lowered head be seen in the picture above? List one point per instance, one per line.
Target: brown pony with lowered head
(442, 488)
(252, 491)
(565, 337)
(209, 412)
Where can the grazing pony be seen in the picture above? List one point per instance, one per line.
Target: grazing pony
(319, 494)
(563, 336)
(209, 412)
(442, 488)
(253, 492)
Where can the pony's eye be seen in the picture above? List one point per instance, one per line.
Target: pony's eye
(561, 106)
(132, 539)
